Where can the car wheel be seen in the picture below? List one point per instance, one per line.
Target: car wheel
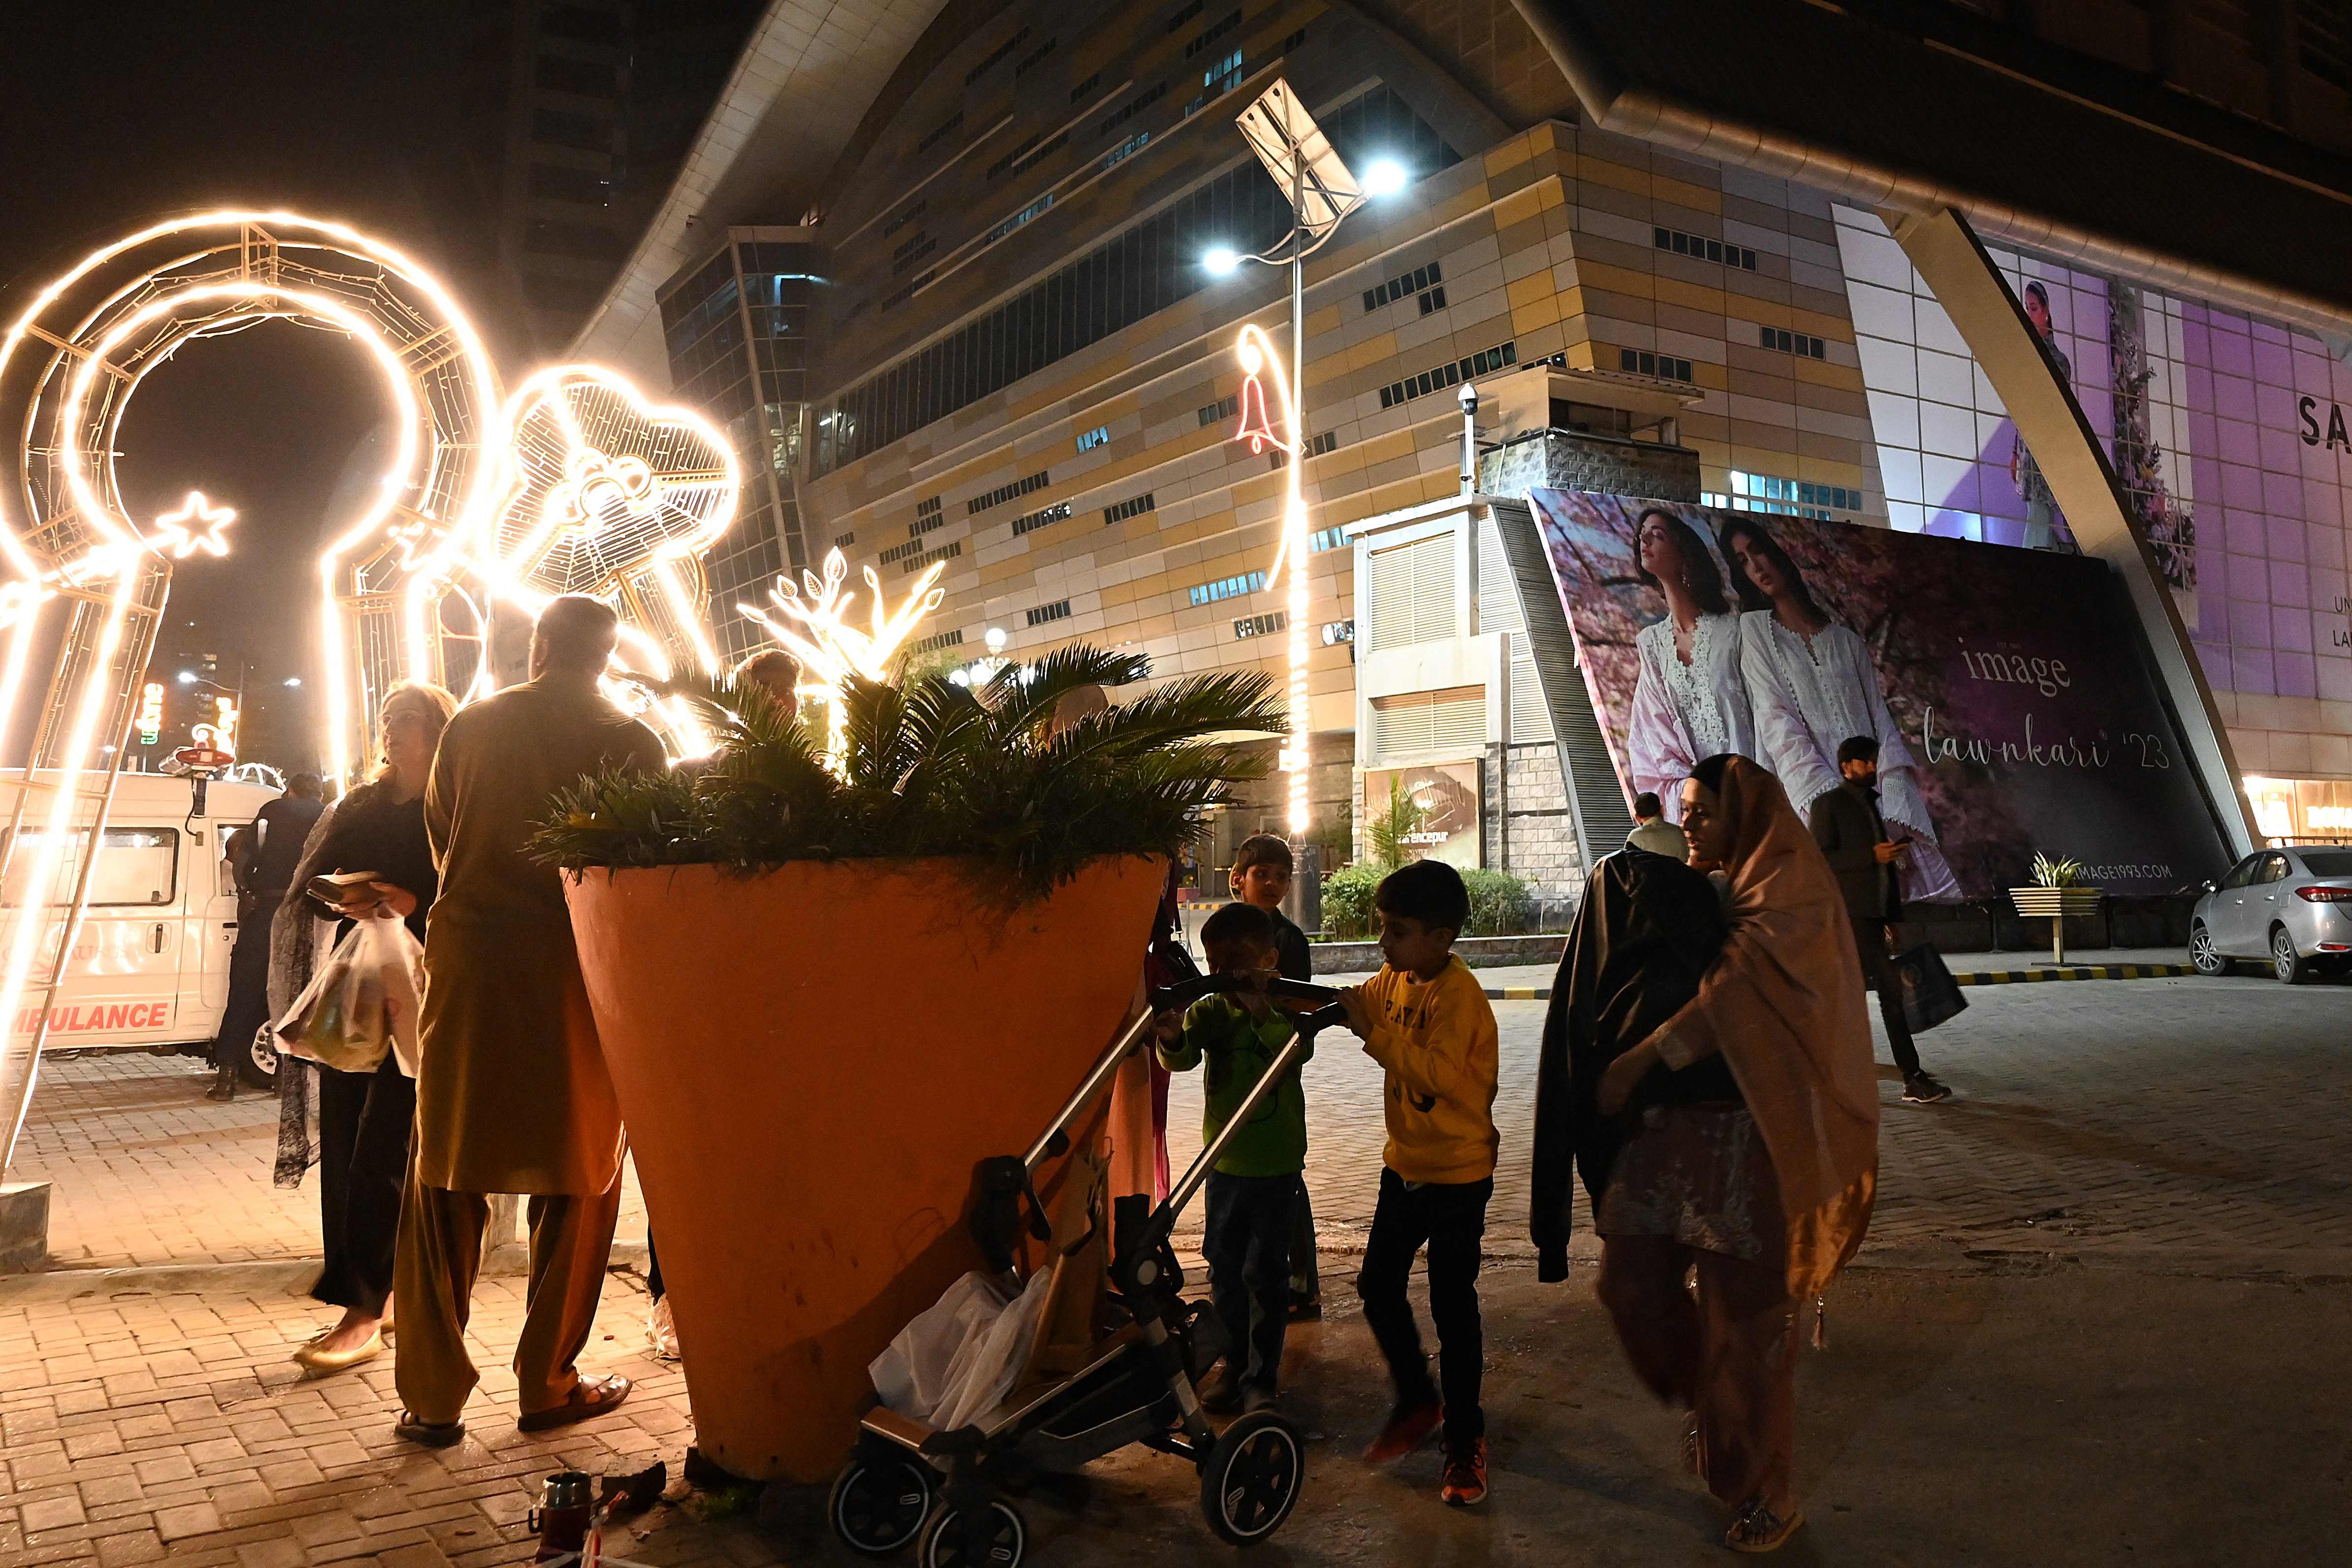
(259, 1066)
(2290, 967)
(2203, 954)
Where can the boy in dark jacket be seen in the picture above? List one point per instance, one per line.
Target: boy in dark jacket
(1261, 875)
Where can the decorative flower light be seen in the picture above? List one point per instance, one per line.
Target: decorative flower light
(829, 649)
(172, 532)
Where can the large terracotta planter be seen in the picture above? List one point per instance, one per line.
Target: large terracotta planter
(810, 1063)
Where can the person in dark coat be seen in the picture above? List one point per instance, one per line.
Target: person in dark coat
(1848, 826)
(1646, 934)
(262, 857)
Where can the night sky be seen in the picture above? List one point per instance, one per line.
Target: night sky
(117, 114)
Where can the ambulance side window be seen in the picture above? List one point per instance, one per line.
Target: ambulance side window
(136, 866)
(224, 879)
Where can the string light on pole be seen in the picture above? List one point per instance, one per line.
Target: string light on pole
(1323, 192)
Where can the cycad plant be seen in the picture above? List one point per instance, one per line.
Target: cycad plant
(2049, 873)
(932, 768)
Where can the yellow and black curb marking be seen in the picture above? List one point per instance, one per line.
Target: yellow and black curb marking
(1964, 977)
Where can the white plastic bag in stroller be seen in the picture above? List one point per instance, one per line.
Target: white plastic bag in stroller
(958, 1359)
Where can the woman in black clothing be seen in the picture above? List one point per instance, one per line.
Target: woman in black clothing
(364, 1118)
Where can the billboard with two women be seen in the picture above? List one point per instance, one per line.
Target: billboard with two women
(2008, 689)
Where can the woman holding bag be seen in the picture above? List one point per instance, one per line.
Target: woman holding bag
(365, 1118)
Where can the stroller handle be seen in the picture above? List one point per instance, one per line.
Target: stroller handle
(1168, 998)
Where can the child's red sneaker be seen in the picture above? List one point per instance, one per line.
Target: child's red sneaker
(1409, 1426)
(1465, 1475)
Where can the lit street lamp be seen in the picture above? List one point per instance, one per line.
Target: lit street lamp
(1323, 191)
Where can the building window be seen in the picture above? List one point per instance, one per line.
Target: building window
(1224, 75)
(1771, 493)
(939, 640)
(1040, 519)
(904, 218)
(1032, 210)
(1059, 610)
(1097, 436)
(1225, 588)
(1483, 363)
(1133, 107)
(1002, 494)
(1290, 45)
(940, 132)
(1086, 86)
(899, 296)
(1126, 149)
(1215, 30)
(910, 252)
(897, 553)
(1792, 343)
(927, 507)
(1324, 539)
(1434, 299)
(1133, 506)
(1701, 249)
(1402, 284)
(843, 541)
(1338, 632)
(1316, 446)
(996, 58)
(1133, 275)
(1222, 408)
(1262, 626)
(1644, 363)
(1033, 57)
(944, 552)
(1184, 13)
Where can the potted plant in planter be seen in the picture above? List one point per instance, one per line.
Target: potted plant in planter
(2055, 894)
(825, 996)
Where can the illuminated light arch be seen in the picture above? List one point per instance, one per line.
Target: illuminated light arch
(70, 364)
(607, 494)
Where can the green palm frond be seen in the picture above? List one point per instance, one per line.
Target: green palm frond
(934, 769)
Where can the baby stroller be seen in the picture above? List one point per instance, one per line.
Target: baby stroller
(1136, 1386)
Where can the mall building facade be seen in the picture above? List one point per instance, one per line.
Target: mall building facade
(940, 276)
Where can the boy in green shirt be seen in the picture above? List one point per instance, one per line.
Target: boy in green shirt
(1253, 1186)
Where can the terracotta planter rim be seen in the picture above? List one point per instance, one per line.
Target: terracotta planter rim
(965, 866)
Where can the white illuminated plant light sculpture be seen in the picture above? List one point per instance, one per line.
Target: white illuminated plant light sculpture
(814, 627)
(650, 491)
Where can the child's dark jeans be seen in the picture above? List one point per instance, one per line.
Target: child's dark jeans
(1451, 1218)
(1247, 1244)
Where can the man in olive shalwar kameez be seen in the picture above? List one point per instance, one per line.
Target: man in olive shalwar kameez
(512, 1095)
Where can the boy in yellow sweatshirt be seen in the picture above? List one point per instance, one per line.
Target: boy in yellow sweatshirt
(1424, 1018)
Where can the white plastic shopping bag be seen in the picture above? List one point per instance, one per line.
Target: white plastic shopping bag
(362, 1002)
(958, 1359)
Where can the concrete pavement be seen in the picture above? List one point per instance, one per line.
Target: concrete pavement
(2099, 1320)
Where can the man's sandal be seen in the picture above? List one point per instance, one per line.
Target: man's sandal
(429, 1433)
(590, 1397)
(1757, 1528)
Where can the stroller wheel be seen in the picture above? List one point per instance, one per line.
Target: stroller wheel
(878, 1505)
(993, 1537)
(1253, 1478)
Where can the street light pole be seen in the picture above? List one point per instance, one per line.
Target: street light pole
(1293, 517)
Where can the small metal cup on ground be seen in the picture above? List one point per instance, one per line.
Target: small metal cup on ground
(567, 1504)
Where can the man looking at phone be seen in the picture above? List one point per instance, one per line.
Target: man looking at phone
(1847, 824)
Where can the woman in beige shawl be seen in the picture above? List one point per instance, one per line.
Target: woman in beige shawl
(1761, 1178)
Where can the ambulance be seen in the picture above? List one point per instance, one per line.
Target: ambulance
(150, 965)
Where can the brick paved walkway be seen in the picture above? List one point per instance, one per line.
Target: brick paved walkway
(2152, 1142)
(148, 1172)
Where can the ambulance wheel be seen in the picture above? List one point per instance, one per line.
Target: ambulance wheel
(1253, 1478)
(961, 1538)
(259, 1066)
(878, 1506)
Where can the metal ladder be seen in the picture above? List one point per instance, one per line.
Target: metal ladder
(87, 671)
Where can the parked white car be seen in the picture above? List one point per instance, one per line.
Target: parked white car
(2290, 907)
(150, 965)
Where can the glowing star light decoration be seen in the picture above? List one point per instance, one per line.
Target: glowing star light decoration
(814, 627)
(174, 534)
(1259, 363)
